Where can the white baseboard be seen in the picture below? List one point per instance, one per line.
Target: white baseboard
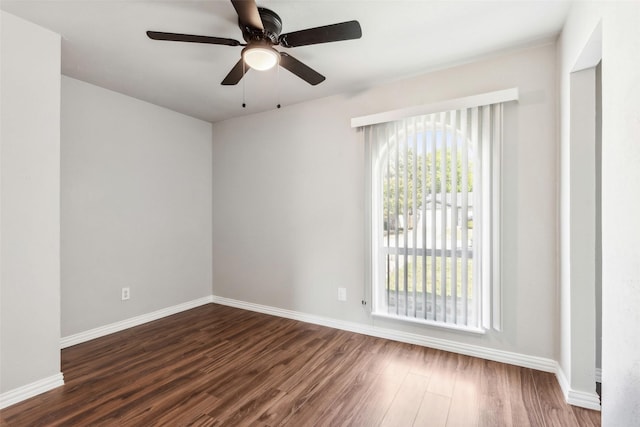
(523, 360)
(19, 394)
(101, 331)
(589, 400)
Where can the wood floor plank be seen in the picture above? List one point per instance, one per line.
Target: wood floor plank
(327, 380)
(221, 366)
(248, 409)
(525, 406)
(405, 405)
(586, 417)
(195, 406)
(444, 374)
(375, 402)
(495, 405)
(422, 360)
(555, 411)
(345, 408)
(325, 395)
(434, 411)
(465, 399)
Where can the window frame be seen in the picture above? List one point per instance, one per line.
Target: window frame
(489, 299)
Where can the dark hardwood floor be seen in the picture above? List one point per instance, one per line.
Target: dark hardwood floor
(221, 366)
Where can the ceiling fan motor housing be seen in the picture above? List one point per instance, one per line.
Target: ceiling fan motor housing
(272, 27)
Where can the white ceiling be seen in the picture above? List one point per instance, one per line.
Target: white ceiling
(104, 43)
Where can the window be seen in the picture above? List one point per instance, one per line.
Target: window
(434, 217)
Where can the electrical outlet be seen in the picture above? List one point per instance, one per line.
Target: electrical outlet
(126, 294)
(342, 294)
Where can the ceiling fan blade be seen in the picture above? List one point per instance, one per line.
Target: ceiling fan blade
(236, 74)
(248, 14)
(299, 69)
(157, 35)
(329, 33)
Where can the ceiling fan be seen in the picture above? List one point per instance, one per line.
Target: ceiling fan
(261, 30)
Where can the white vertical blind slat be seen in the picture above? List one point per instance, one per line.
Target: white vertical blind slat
(443, 217)
(424, 217)
(388, 201)
(405, 218)
(496, 290)
(486, 219)
(397, 212)
(464, 235)
(414, 214)
(454, 217)
(434, 138)
(477, 211)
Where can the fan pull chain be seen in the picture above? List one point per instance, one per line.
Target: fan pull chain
(278, 83)
(244, 101)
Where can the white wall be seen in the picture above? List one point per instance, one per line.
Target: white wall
(136, 207)
(578, 238)
(620, 51)
(288, 199)
(29, 206)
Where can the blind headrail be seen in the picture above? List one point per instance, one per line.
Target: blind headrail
(488, 98)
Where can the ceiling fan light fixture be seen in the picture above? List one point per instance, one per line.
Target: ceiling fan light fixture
(260, 58)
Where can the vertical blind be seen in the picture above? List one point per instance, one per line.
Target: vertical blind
(435, 215)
